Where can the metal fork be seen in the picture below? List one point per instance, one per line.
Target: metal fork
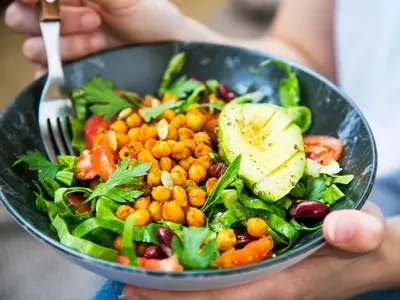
(55, 108)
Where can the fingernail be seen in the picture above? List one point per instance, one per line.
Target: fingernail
(341, 228)
(90, 20)
(11, 16)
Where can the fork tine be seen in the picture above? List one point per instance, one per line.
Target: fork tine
(57, 136)
(64, 124)
(48, 144)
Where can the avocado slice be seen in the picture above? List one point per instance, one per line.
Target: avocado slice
(272, 148)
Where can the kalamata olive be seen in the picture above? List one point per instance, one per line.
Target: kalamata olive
(243, 239)
(308, 210)
(153, 252)
(164, 236)
(216, 170)
(225, 92)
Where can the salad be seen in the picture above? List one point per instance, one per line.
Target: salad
(195, 177)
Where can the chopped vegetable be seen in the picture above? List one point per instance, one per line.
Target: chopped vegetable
(38, 162)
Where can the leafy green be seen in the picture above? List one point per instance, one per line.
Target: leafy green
(301, 116)
(212, 85)
(64, 209)
(65, 177)
(331, 195)
(183, 86)
(124, 174)
(127, 238)
(342, 179)
(315, 186)
(302, 228)
(224, 220)
(284, 229)
(68, 162)
(189, 252)
(103, 99)
(154, 112)
(80, 104)
(223, 182)
(245, 98)
(77, 129)
(81, 245)
(50, 186)
(284, 203)
(299, 190)
(175, 65)
(255, 203)
(38, 162)
(132, 98)
(213, 105)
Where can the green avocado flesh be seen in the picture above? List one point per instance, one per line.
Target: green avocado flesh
(272, 148)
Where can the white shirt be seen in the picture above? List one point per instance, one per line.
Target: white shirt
(368, 68)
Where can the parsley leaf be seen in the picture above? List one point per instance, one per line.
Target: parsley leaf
(154, 112)
(105, 101)
(123, 175)
(183, 86)
(189, 252)
(38, 162)
(175, 65)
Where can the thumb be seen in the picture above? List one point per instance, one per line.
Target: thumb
(354, 231)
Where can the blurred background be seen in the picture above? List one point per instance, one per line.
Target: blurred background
(239, 18)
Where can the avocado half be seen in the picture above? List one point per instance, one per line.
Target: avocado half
(272, 148)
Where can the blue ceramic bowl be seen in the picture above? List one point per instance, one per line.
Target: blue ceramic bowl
(139, 68)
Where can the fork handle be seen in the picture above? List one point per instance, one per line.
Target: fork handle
(49, 10)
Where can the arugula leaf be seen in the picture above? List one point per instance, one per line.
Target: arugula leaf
(302, 228)
(223, 182)
(342, 179)
(331, 195)
(81, 245)
(38, 162)
(183, 86)
(212, 85)
(315, 186)
(77, 129)
(154, 112)
(121, 176)
(301, 116)
(175, 65)
(189, 253)
(105, 101)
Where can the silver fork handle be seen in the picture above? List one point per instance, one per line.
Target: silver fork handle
(49, 17)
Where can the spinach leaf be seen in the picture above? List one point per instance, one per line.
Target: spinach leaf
(175, 65)
(301, 116)
(299, 190)
(285, 230)
(315, 186)
(301, 228)
(255, 203)
(284, 203)
(224, 220)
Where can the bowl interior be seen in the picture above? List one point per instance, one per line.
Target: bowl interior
(139, 69)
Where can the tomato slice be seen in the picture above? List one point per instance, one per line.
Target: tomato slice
(102, 161)
(84, 169)
(323, 149)
(167, 264)
(76, 199)
(93, 126)
(253, 252)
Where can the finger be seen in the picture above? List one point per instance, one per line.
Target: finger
(373, 209)
(22, 18)
(354, 231)
(63, 2)
(72, 46)
(40, 71)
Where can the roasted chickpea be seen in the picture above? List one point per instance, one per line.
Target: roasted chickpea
(197, 173)
(204, 161)
(210, 184)
(178, 122)
(171, 211)
(193, 107)
(187, 163)
(179, 175)
(122, 139)
(202, 150)
(154, 177)
(145, 156)
(133, 134)
(149, 144)
(142, 217)
(197, 197)
(172, 133)
(165, 164)
(123, 153)
(185, 133)
(124, 211)
(257, 227)
(117, 243)
(171, 143)
(180, 151)
(226, 239)
(179, 196)
(161, 193)
(202, 138)
(168, 115)
(186, 209)
(194, 121)
(134, 148)
(119, 126)
(195, 217)
(190, 184)
(147, 132)
(134, 120)
(142, 203)
(161, 149)
(190, 144)
(155, 211)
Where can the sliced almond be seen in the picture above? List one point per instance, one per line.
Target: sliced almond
(112, 140)
(126, 112)
(211, 155)
(167, 179)
(162, 129)
(155, 102)
(141, 113)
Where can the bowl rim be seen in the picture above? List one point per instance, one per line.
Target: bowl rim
(197, 273)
